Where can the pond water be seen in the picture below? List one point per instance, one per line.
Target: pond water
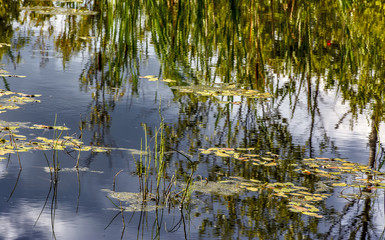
(196, 120)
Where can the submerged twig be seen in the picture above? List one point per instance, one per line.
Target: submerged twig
(124, 224)
(121, 210)
(14, 187)
(113, 183)
(184, 155)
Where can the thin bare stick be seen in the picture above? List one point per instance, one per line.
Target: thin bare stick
(113, 183)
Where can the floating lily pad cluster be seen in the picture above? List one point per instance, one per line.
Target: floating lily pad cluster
(336, 172)
(300, 199)
(343, 173)
(244, 154)
(10, 100)
(332, 167)
(219, 89)
(230, 90)
(59, 11)
(11, 141)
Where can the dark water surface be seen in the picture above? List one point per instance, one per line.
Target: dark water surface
(313, 164)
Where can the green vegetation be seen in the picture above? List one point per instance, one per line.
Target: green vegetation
(231, 67)
(155, 185)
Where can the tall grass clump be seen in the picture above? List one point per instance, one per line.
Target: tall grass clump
(151, 166)
(154, 183)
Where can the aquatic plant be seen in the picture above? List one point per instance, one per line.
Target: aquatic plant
(154, 182)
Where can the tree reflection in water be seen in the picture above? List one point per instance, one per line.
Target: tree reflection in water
(301, 52)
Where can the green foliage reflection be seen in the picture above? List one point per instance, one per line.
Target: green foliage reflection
(291, 49)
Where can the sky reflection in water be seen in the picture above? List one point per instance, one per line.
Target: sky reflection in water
(95, 83)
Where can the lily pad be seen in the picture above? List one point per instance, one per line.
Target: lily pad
(74, 169)
(59, 11)
(134, 201)
(230, 90)
(224, 188)
(4, 45)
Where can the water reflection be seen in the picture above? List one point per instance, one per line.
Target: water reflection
(322, 66)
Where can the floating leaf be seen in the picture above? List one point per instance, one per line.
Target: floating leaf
(62, 128)
(287, 190)
(168, 80)
(9, 75)
(4, 45)
(74, 169)
(280, 194)
(255, 189)
(58, 147)
(99, 149)
(222, 154)
(134, 200)
(36, 126)
(251, 155)
(270, 164)
(19, 136)
(86, 38)
(348, 164)
(245, 149)
(148, 76)
(205, 152)
(83, 149)
(298, 208)
(40, 126)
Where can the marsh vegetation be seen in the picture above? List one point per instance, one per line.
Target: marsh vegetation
(199, 119)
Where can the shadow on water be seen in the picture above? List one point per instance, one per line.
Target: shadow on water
(261, 104)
